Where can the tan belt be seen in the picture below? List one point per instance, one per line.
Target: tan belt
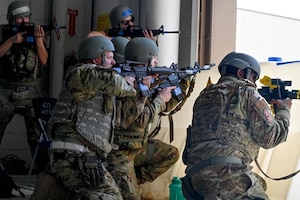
(60, 145)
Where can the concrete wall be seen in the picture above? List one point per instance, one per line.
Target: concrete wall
(283, 159)
(223, 34)
(223, 41)
(222, 10)
(265, 35)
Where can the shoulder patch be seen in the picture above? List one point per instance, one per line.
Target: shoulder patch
(261, 104)
(269, 115)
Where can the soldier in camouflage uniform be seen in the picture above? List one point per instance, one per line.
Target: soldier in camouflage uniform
(82, 125)
(120, 44)
(21, 57)
(231, 122)
(140, 159)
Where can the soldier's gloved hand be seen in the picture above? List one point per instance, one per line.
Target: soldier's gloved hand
(93, 168)
(287, 103)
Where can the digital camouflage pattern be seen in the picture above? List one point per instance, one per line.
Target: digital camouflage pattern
(13, 100)
(19, 71)
(69, 173)
(85, 106)
(133, 167)
(93, 124)
(139, 158)
(231, 118)
(230, 181)
(87, 100)
(154, 159)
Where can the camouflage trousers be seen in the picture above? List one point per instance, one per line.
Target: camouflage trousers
(68, 181)
(131, 167)
(18, 100)
(12, 103)
(226, 182)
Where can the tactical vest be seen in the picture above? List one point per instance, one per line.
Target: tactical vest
(225, 117)
(21, 62)
(129, 135)
(91, 122)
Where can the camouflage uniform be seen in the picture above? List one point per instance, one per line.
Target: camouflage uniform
(19, 73)
(140, 159)
(231, 121)
(81, 126)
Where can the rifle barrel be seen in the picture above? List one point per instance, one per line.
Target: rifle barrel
(61, 27)
(171, 32)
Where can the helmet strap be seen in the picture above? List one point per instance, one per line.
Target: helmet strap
(248, 73)
(223, 70)
(103, 59)
(149, 62)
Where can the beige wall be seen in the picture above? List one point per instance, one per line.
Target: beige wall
(223, 33)
(283, 159)
(278, 162)
(223, 41)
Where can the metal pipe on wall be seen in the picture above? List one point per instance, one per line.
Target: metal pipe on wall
(165, 13)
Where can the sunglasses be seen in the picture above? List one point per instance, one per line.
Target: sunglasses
(126, 22)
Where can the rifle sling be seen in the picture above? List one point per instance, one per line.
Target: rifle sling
(156, 130)
(176, 109)
(277, 179)
(171, 123)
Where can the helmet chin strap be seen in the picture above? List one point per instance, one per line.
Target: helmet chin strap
(103, 59)
(223, 70)
(248, 73)
(149, 62)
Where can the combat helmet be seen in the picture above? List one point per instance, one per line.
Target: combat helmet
(18, 9)
(239, 61)
(119, 13)
(120, 44)
(92, 47)
(140, 50)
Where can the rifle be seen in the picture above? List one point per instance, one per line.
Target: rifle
(175, 79)
(167, 75)
(275, 89)
(136, 31)
(28, 27)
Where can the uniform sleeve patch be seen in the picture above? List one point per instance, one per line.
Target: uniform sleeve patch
(269, 115)
(261, 104)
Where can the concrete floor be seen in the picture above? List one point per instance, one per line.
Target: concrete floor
(14, 144)
(26, 185)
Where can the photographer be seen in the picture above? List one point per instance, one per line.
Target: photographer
(20, 62)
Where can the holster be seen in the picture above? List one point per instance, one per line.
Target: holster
(92, 169)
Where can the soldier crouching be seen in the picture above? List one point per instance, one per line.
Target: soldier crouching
(81, 126)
